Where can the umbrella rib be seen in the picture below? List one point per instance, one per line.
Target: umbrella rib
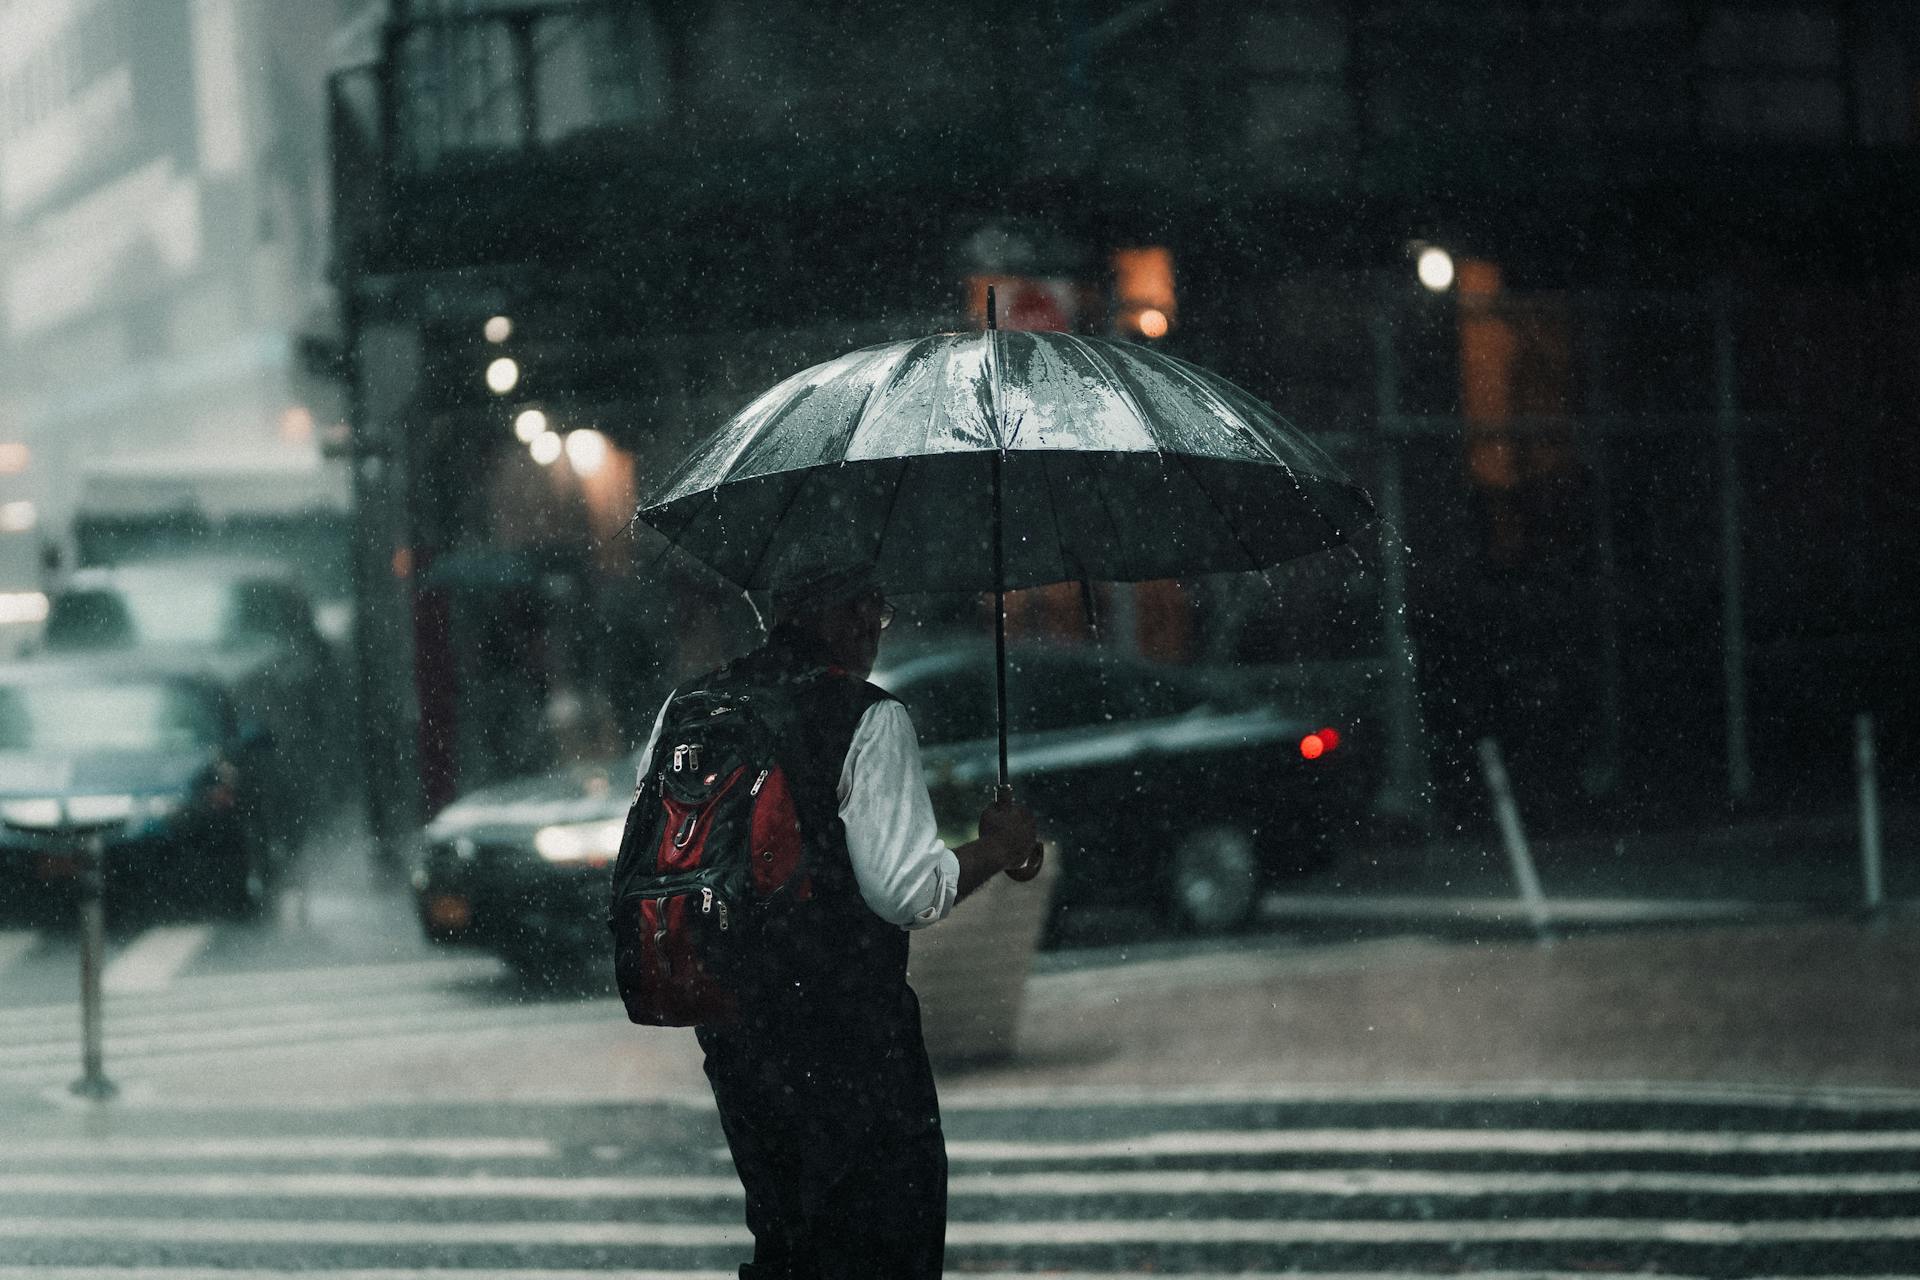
(1098, 357)
(1253, 561)
(1292, 477)
(1053, 509)
(1106, 508)
(893, 504)
(875, 395)
(766, 544)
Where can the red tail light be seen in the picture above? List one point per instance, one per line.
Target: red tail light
(1319, 742)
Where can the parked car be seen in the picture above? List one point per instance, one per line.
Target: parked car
(160, 758)
(250, 619)
(520, 868)
(1177, 787)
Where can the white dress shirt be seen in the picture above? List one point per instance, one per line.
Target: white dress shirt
(906, 873)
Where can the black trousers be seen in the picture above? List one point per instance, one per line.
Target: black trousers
(835, 1132)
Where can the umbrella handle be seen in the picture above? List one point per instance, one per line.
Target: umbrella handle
(1029, 867)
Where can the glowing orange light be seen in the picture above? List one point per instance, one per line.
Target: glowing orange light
(1153, 323)
(403, 562)
(14, 458)
(449, 912)
(1329, 736)
(1313, 746)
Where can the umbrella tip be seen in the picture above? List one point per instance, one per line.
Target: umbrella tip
(993, 320)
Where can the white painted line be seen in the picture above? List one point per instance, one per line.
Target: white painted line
(179, 1231)
(1371, 1231)
(15, 943)
(1315, 906)
(289, 1147)
(1102, 1097)
(542, 1273)
(520, 1273)
(150, 1015)
(1551, 1142)
(1161, 1231)
(154, 959)
(199, 993)
(1181, 1182)
(31, 1062)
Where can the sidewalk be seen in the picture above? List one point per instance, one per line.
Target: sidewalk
(1812, 1003)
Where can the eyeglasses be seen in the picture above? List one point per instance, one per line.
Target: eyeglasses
(886, 614)
(880, 606)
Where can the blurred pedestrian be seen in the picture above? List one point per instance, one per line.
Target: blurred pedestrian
(823, 1083)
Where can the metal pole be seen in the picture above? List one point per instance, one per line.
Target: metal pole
(1868, 771)
(1733, 657)
(1604, 772)
(93, 1082)
(1514, 836)
(1407, 784)
(999, 556)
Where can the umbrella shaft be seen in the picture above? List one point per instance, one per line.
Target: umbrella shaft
(999, 624)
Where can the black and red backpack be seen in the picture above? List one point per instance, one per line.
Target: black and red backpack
(713, 851)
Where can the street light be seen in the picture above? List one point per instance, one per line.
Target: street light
(529, 425)
(498, 329)
(586, 451)
(503, 375)
(545, 448)
(1435, 268)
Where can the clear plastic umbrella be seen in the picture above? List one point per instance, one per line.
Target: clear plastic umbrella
(995, 460)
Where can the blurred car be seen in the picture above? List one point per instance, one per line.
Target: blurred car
(159, 759)
(520, 868)
(1177, 787)
(250, 620)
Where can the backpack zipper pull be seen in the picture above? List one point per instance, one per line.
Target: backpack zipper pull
(706, 902)
(723, 914)
(759, 782)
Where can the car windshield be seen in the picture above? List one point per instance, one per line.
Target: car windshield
(105, 717)
(175, 612)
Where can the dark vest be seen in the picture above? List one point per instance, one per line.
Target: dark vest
(832, 959)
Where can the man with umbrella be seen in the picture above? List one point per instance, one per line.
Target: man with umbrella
(966, 462)
(823, 1084)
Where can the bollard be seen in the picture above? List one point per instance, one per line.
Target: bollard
(1867, 770)
(1514, 836)
(93, 1082)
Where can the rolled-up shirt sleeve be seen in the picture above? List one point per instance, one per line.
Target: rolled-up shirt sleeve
(906, 873)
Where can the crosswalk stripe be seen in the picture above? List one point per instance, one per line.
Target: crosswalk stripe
(1161, 1231)
(1551, 1142)
(15, 943)
(1180, 1182)
(147, 1016)
(281, 1148)
(35, 1062)
(518, 1273)
(196, 993)
(152, 960)
(524, 1273)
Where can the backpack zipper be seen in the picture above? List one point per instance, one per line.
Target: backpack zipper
(759, 782)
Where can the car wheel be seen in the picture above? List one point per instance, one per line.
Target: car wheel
(1214, 879)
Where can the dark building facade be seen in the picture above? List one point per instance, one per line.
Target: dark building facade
(1647, 450)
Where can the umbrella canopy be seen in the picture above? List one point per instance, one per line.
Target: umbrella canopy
(1115, 462)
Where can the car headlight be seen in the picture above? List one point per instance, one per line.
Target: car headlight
(154, 808)
(594, 843)
(45, 813)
